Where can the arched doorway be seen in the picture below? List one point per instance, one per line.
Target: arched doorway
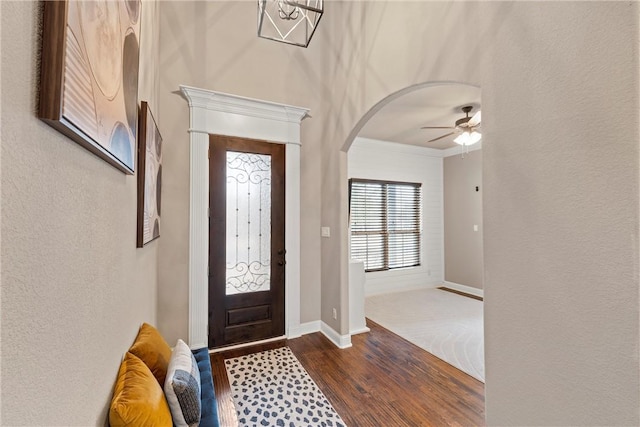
(392, 147)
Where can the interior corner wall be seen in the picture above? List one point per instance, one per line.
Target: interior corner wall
(463, 219)
(334, 248)
(74, 287)
(369, 159)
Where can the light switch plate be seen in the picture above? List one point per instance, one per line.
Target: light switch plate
(325, 232)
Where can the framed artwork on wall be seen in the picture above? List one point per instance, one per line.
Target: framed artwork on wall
(149, 177)
(89, 75)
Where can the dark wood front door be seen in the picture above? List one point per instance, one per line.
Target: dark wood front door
(246, 240)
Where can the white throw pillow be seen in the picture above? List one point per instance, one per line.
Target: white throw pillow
(182, 387)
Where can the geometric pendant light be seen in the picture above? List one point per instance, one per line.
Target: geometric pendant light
(289, 21)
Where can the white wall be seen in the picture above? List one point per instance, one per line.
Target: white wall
(370, 159)
(74, 287)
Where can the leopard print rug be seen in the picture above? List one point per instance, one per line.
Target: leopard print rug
(272, 388)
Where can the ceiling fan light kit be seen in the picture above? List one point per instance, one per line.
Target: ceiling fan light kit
(466, 127)
(468, 138)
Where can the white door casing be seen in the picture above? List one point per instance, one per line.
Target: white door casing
(224, 114)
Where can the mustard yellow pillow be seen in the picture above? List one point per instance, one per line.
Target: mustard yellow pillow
(153, 350)
(138, 399)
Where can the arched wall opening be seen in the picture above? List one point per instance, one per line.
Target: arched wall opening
(389, 144)
(392, 97)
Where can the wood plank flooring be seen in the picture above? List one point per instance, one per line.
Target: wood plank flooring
(382, 380)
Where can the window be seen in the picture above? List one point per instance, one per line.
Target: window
(385, 223)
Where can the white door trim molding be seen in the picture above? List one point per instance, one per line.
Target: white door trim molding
(224, 114)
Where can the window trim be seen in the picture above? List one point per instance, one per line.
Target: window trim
(386, 233)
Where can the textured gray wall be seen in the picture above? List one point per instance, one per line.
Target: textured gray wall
(74, 287)
(561, 192)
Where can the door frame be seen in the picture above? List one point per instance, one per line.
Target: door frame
(271, 325)
(225, 114)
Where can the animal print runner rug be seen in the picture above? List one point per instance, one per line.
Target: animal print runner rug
(272, 388)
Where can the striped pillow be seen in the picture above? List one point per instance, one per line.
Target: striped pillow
(182, 387)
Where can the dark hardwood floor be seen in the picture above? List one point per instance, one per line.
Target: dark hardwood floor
(383, 380)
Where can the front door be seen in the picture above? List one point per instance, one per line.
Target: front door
(246, 240)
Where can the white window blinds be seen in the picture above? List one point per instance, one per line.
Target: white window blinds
(385, 223)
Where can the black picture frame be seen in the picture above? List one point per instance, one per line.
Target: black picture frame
(149, 177)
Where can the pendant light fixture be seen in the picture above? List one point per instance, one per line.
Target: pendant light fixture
(289, 21)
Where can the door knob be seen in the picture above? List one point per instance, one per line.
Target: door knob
(281, 263)
(282, 251)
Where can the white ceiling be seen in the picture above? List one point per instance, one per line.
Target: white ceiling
(401, 119)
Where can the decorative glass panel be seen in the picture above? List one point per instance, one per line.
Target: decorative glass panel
(248, 222)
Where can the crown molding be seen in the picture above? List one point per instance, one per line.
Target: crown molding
(396, 146)
(411, 149)
(234, 104)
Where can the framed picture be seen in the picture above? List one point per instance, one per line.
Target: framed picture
(89, 75)
(149, 177)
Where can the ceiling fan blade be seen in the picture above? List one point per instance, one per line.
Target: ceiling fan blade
(437, 127)
(440, 137)
(475, 120)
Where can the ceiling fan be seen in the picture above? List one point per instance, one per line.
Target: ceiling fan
(467, 128)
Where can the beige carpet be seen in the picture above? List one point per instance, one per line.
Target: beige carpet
(447, 325)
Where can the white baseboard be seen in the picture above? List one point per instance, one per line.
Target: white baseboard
(304, 329)
(464, 288)
(341, 341)
(359, 331)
